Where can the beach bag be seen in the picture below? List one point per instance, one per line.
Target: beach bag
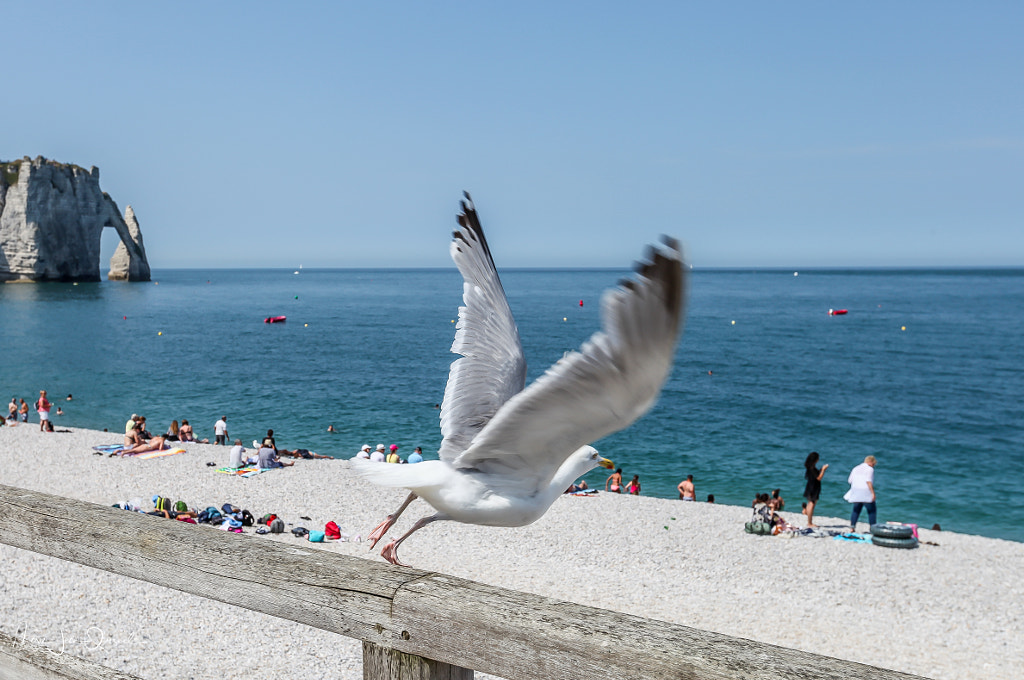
(181, 506)
(277, 526)
(210, 515)
(162, 503)
(268, 518)
(299, 532)
(316, 537)
(228, 509)
(332, 531)
(247, 519)
(758, 528)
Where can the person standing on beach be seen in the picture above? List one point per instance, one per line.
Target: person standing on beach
(616, 481)
(634, 486)
(687, 492)
(862, 491)
(812, 491)
(23, 411)
(220, 431)
(43, 406)
(12, 409)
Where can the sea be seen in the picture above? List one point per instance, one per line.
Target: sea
(925, 371)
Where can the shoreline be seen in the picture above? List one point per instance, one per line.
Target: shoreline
(951, 610)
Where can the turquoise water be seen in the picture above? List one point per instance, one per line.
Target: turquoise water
(939, 404)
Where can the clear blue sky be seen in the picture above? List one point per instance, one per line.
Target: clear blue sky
(341, 134)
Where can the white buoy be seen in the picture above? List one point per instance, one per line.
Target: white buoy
(796, 273)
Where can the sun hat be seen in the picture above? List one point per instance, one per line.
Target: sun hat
(366, 447)
(380, 447)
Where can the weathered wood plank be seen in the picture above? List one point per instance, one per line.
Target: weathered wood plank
(381, 663)
(470, 625)
(24, 660)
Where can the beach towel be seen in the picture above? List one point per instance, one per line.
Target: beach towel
(109, 448)
(854, 538)
(247, 471)
(157, 454)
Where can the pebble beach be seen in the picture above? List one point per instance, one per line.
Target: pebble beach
(951, 610)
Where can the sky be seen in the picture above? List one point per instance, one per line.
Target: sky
(797, 134)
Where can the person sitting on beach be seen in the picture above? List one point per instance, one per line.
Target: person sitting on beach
(378, 455)
(141, 428)
(186, 434)
(634, 486)
(762, 513)
(364, 452)
(269, 440)
(393, 456)
(581, 485)
(776, 502)
(172, 432)
(237, 458)
(615, 479)
(268, 459)
(416, 456)
(130, 425)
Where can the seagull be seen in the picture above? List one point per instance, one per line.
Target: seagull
(507, 452)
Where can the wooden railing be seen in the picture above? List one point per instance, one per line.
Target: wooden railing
(412, 623)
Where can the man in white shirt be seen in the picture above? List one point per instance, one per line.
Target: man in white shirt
(220, 430)
(237, 457)
(862, 491)
(364, 452)
(378, 455)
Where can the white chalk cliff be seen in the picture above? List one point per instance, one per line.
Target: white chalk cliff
(51, 219)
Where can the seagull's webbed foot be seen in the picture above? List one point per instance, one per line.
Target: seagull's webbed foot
(381, 529)
(390, 553)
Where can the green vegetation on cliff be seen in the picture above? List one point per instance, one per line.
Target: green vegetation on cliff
(9, 172)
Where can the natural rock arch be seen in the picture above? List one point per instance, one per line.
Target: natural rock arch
(52, 217)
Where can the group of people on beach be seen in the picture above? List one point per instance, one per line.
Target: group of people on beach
(614, 483)
(861, 494)
(17, 411)
(268, 454)
(388, 455)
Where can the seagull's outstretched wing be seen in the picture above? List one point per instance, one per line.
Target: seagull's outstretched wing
(613, 380)
(492, 367)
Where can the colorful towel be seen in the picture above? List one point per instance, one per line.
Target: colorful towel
(157, 454)
(247, 471)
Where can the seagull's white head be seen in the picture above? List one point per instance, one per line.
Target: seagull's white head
(585, 459)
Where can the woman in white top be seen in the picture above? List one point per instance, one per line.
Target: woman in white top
(862, 491)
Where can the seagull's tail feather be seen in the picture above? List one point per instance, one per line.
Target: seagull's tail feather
(415, 476)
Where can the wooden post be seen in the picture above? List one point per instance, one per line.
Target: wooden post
(381, 663)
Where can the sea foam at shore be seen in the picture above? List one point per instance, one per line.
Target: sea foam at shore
(952, 610)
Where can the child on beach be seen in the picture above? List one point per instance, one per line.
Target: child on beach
(634, 486)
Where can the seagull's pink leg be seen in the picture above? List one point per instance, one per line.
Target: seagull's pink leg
(390, 551)
(383, 527)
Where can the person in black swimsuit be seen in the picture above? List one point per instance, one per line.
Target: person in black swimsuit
(813, 489)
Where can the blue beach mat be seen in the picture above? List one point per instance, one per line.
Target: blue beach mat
(109, 448)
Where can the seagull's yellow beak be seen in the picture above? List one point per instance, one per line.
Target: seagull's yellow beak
(605, 463)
